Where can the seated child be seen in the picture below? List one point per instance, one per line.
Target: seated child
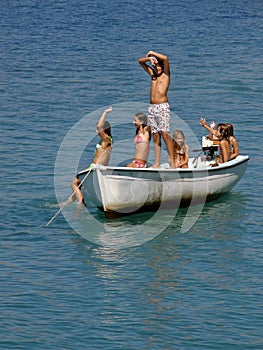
(141, 141)
(222, 133)
(233, 142)
(214, 135)
(180, 149)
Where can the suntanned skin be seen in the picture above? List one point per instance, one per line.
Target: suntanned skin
(234, 146)
(142, 148)
(102, 155)
(225, 145)
(225, 152)
(160, 81)
(181, 160)
(160, 78)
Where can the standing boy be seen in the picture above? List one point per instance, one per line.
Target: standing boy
(159, 116)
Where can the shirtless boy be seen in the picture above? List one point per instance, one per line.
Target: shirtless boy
(159, 116)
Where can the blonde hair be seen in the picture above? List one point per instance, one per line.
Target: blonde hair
(177, 134)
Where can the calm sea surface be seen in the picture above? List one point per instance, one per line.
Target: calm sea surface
(200, 287)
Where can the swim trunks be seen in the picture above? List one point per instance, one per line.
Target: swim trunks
(159, 117)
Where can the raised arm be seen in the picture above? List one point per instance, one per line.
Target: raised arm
(145, 66)
(211, 130)
(163, 58)
(101, 122)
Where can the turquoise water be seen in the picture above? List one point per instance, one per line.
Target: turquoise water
(194, 289)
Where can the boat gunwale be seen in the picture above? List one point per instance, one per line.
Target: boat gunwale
(223, 166)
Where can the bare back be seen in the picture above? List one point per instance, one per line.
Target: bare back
(103, 150)
(102, 156)
(225, 151)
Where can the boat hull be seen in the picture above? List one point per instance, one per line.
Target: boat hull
(121, 190)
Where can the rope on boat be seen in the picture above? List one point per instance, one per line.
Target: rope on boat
(67, 201)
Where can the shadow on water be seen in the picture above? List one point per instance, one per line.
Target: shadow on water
(137, 229)
(220, 213)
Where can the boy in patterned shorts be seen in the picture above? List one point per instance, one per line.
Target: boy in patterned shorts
(159, 116)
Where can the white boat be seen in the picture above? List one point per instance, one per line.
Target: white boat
(121, 190)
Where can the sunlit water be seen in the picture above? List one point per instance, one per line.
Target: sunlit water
(199, 289)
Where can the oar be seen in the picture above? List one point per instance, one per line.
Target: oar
(65, 203)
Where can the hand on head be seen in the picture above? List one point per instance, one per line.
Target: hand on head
(153, 59)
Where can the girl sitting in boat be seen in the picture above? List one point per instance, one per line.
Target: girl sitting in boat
(141, 141)
(233, 142)
(102, 153)
(213, 136)
(222, 134)
(180, 149)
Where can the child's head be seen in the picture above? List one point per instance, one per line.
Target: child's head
(107, 128)
(140, 119)
(231, 129)
(158, 66)
(178, 136)
(224, 131)
(159, 62)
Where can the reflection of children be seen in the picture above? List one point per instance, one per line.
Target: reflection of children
(102, 153)
(180, 149)
(142, 141)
